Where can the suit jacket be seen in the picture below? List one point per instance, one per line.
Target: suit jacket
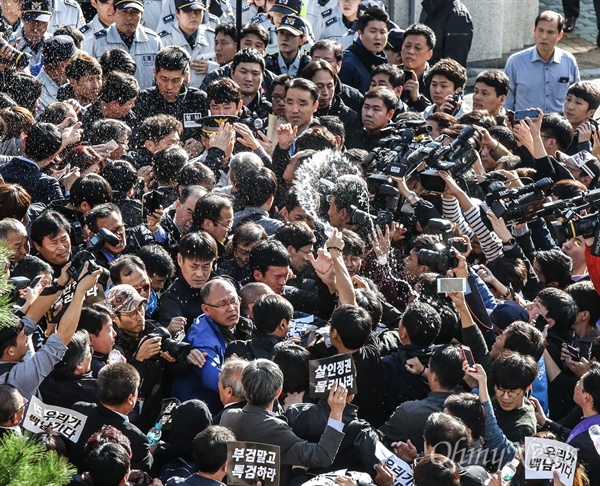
(97, 417)
(258, 425)
(41, 187)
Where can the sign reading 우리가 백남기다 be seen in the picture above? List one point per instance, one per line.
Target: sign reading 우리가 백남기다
(251, 462)
(324, 373)
(403, 474)
(544, 456)
(40, 417)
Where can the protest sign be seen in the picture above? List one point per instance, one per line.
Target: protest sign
(40, 417)
(323, 373)
(250, 462)
(403, 474)
(544, 456)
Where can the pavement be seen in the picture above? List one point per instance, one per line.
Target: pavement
(582, 41)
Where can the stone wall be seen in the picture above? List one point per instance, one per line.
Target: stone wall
(501, 26)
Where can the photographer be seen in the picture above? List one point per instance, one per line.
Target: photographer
(141, 351)
(27, 375)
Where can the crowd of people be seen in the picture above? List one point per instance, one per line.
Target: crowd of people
(190, 214)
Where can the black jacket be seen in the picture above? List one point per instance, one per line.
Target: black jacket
(260, 346)
(179, 300)
(66, 391)
(41, 187)
(272, 63)
(357, 450)
(99, 416)
(191, 105)
(451, 22)
(352, 98)
(131, 209)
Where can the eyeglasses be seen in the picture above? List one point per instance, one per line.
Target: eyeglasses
(25, 402)
(509, 393)
(235, 301)
(145, 287)
(277, 98)
(305, 251)
(228, 227)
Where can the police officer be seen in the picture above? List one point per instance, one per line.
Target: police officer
(36, 18)
(66, 12)
(127, 34)
(196, 38)
(277, 12)
(290, 38)
(334, 21)
(103, 19)
(211, 18)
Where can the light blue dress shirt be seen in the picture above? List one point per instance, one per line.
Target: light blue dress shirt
(538, 84)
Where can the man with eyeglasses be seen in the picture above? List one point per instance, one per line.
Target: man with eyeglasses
(144, 353)
(210, 333)
(214, 214)
(12, 410)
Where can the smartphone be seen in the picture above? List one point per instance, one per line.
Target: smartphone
(574, 352)
(540, 322)
(35, 281)
(111, 145)
(151, 201)
(20, 282)
(451, 285)
(408, 75)
(521, 115)
(468, 357)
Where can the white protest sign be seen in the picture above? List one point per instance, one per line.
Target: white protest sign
(544, 456)
(403, 474)
(40, 417)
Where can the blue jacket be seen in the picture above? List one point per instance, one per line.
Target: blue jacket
(357, 65)
(202, 383)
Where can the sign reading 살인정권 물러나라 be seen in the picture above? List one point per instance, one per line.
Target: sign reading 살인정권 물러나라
(324, 373)
(251, 462)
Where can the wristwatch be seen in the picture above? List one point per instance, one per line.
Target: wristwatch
(411, 196)
(509, 243)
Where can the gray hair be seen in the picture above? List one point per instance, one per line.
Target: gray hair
(231, 376)
(11, 225)
(243, 162)
(262, 380)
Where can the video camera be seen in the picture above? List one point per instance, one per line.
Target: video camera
(86, 254)
(443, 258)
(456, 159)
(518, 204)
(383, 205)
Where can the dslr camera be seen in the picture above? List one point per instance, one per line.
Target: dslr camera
(179, 350)
(95, 243)
(443, 258)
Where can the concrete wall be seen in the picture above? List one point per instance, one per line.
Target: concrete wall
(501, 26)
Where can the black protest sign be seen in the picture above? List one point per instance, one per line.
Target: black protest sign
(251, 462)
(324, 373)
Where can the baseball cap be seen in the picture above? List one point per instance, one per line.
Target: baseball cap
(124, 298)
(583, 161)
(287, 7)
(123, 4)
(40, 10)
(58, 48)
(189, 5)
(395, 38)
(293, 24)
(508, 312)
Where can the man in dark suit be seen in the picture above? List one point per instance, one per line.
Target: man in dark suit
(263, 382)
(209, 450)
(118, 385)
(42, 144)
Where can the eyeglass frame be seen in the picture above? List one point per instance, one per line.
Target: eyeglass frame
(509, 393)
(234, 301)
